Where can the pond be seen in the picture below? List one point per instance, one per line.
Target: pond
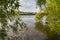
(31, 33)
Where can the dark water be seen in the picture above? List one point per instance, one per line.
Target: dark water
(31, 33)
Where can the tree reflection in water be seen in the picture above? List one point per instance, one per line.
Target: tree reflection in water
(51, 35)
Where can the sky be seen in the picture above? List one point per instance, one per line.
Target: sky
(28, 6)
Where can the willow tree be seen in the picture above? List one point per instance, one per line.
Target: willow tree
(52, 9)
(9, 17)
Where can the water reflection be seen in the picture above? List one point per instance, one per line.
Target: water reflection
(31, 33)
(50, 35)
(37, 31)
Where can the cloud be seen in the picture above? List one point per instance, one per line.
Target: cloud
(28, 5)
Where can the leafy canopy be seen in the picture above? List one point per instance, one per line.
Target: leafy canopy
(52, 9)
(9, 17)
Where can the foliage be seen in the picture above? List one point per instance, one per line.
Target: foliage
(39, 15)
(52, 9)
(40, 3)
(9, 17)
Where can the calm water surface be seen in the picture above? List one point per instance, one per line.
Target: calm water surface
(28, 19)
(31, 33)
